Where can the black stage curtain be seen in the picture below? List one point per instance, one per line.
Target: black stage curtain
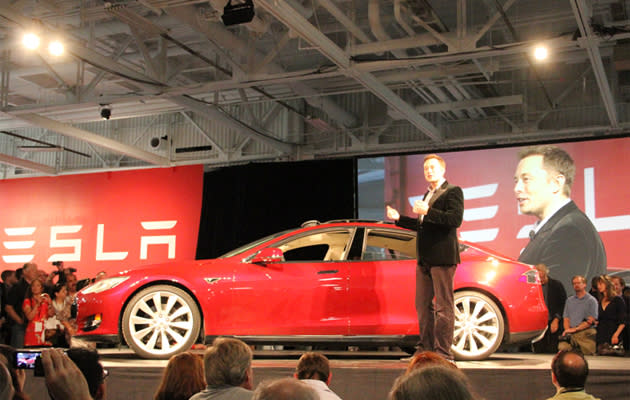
(244, 203)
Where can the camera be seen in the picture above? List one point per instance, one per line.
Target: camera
(57, 263)
(29, 359)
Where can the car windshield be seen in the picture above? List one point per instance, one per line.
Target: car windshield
(253, 244)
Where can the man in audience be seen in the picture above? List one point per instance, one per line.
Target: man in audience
(6, 385)
(13, 308)
(569, 371)
(313, 369)
(64, 379)
(579, 317)
(228, 369)
(285, 389)
(555, 297)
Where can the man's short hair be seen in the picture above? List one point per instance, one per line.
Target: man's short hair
(554, 159)
(226, 362)
(89, 363)
(6, 273)
(285, 389)
(435, 382)
(570, 369)
(434, 157)
(581, 277)
(313, 365)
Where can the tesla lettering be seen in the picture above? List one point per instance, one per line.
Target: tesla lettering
(22, 243)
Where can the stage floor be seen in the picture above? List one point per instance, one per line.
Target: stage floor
(368, 375)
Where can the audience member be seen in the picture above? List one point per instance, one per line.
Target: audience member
(64, 379)
(228, 370)
(8, 280)
(88, 362)
(428, 359)
(579, 316)
(18, 376)
(285, 389)
(60, 324)
(182, 378)
(611, 317)
(13, 307)
(35, 309)
(313, 369)
(434, 382)
(555, 297)
(569, 371)
(6, 386)
(619, 284)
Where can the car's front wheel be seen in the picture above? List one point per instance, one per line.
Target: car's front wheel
(479, 326)
(160, 321)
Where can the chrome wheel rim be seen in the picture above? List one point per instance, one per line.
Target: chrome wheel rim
(476, 327)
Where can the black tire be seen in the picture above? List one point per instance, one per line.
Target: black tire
(479, 326)
(161, 321)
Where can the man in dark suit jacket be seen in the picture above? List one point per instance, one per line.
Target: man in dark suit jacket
(563, 239)
(555, 297)
(440, 213)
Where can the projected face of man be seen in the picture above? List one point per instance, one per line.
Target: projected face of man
(535, 187)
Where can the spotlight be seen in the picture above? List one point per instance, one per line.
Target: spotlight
(541, 53)
(240, 13)
(106, 111)
(55, 48)
(30, 41)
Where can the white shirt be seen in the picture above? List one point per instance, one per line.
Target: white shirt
(540, 223)
(323, 391)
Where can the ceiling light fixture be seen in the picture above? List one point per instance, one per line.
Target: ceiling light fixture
(30, 41)
(106, 111)
(55, 48)
(240, 13)
(541, 53)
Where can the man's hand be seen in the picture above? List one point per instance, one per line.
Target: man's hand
(554, 325)
(64, 380)
(420, 207)
(392, 213)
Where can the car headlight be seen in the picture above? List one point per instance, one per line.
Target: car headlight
(104, 285)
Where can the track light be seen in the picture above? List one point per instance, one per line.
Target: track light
(106, 111)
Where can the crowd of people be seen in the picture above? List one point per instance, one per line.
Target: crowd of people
(36, 307)
(593, 322)
(225, 373)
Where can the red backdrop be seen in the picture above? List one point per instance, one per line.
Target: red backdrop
(104, 221)
(601, 189)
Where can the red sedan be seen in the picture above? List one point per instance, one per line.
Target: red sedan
(349, 282)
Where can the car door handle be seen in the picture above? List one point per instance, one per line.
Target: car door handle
(327, 271)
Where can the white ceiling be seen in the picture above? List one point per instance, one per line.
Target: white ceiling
(305, 79)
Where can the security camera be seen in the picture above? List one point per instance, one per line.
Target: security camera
(106, 111)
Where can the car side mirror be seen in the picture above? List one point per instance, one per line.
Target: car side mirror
(269, 255)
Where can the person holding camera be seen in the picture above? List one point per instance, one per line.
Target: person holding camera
(35, 309)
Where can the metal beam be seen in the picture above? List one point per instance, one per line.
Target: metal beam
(281, 10)
(583, 12)
(33, 166)
(220, 116)
(472, 103)
(80, 134)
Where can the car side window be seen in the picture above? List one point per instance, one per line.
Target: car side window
(383, 245)
(330, 245)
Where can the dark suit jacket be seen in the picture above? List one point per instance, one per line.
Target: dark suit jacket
(437, 233)
(568, 245)
(555, 297)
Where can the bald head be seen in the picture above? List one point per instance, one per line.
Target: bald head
(569, 369)
(284, 389)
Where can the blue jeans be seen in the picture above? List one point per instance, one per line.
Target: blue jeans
(17, 335)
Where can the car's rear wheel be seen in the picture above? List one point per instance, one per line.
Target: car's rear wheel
(160, 321)
(479, 326)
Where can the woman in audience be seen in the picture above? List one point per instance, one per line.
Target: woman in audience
(611, 316)
(60, 324)
(428, 359)
(182, 378)
(433, 382)
(18, 376)
(35, 308)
